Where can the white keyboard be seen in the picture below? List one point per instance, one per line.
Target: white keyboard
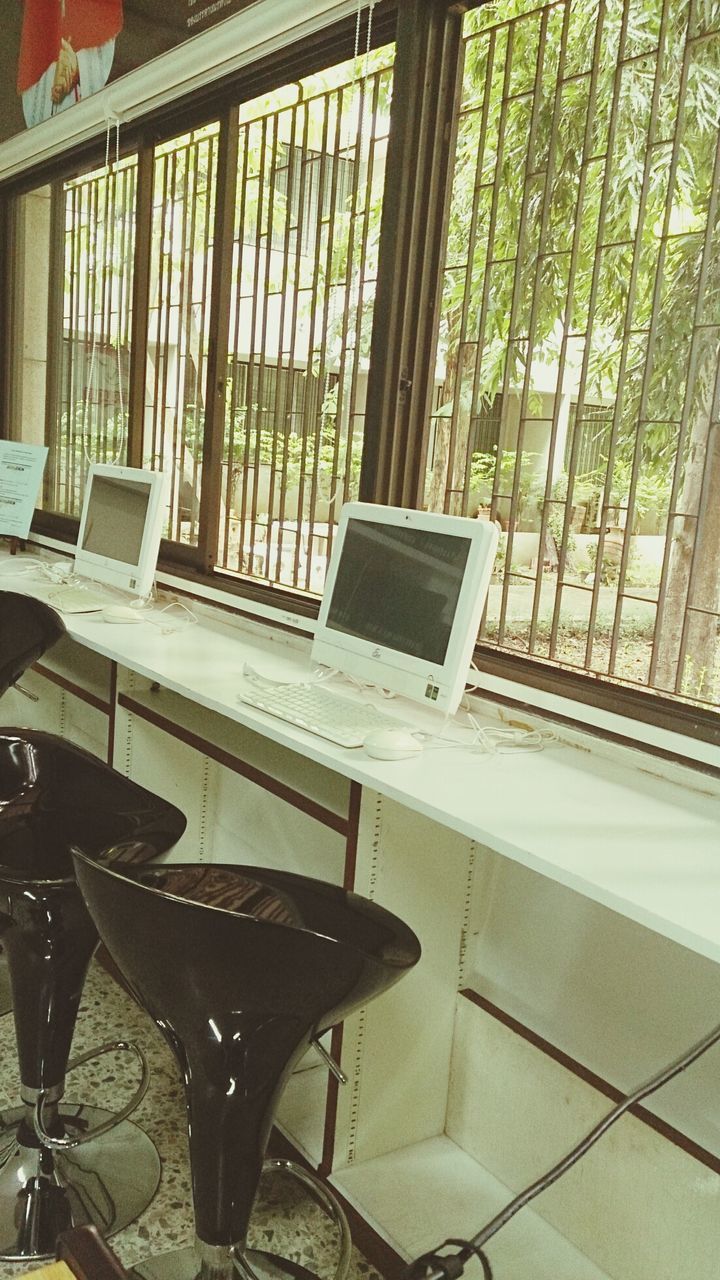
(329, 715)
(72, 598)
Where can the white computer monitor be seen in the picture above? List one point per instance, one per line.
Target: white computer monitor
(404, 598)
(122, 520)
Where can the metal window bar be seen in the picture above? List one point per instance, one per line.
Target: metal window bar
(309, 182)
(180, 275)
(94, 358)
(627, 325)
(582, 266)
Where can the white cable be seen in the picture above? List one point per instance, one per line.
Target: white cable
(492, 739)
(24, 568)
(505, 741)
(364, 686)
(156, 617)
(33, 567)
(265, 682)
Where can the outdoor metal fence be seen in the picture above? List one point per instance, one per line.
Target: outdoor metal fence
(583, 269)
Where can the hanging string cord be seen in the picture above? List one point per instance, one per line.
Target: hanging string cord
(121, 395)
(451, 1266)
(358, 23)
(86, 442)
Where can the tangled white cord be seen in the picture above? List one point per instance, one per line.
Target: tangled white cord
(186, 618)
(491, 739)
(34, 567)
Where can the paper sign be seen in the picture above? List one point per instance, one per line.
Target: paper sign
(21, 468)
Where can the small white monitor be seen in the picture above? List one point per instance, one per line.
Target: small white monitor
(122, 520)
(404, 598)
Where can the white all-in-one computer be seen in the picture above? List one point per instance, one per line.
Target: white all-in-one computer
(124, 509)
(404, 598)
(401, 611)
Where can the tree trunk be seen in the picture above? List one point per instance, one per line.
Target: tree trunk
(442, 490)
(695, 550)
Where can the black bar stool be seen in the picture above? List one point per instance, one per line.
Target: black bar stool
(54, 795)
(240, 968)
(27, 628)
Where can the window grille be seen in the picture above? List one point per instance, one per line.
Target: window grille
(307, 216)
(90, 409)
(582, 269)
(575, 394)
(184, 194)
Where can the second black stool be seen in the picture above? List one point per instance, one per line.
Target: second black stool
(240, 968)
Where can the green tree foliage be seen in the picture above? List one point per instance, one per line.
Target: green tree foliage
(584, 239)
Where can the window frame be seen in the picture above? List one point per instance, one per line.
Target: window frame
(427, 73)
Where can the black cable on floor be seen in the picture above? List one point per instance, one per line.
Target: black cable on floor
(436, 1266)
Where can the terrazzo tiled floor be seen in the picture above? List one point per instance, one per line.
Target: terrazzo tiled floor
(286, 1220)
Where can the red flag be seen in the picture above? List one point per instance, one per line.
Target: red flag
(83, 23)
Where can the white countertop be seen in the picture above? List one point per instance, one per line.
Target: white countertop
(641, 844)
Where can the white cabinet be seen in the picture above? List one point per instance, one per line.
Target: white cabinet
(475, 1072)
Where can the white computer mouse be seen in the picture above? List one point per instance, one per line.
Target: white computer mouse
(392, 744)
(121, 613)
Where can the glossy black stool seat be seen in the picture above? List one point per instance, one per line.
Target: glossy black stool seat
(240, 968)
(27, 629)
(54, 795)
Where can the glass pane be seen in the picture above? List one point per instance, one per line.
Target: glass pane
(71, 323)
(310, 179)
(30, 223)
(578, 359)
(184, 192)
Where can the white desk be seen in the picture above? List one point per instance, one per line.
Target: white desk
(400, 1142)
(644, 846)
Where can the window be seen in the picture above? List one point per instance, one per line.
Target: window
(284, 287)
(501, 301)
(178, 309)
(581, 291)
(308, 198)
(71, 323)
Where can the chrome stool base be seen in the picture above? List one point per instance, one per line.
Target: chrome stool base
(5, 988)
(226, 1262)
(186, 1264)
(107, 1182)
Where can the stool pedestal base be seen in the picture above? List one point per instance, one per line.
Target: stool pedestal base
(5, 989)
(187, 1264)
(107, 1182)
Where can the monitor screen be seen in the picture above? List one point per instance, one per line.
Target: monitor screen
(116, 516)
(123, 515)
(399, 587)
(403, 599)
